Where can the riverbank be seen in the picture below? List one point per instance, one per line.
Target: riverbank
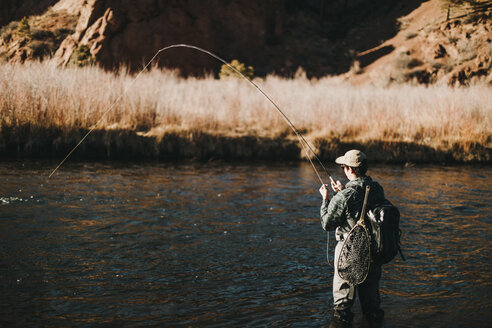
(194, 145)
(46, 110)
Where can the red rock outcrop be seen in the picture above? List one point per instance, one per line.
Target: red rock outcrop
(130, 33)
(274, 36)
(90, 29)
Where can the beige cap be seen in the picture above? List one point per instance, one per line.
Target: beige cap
(352, 158)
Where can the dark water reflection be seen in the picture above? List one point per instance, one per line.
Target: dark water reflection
(227, 245)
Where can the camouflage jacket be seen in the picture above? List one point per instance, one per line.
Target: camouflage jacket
(343, 210)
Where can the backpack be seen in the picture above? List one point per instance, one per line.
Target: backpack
(384, 227)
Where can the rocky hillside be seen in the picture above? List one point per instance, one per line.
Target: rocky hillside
(432, 45)
(360, 40)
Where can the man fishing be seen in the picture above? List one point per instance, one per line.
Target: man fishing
(341, 212)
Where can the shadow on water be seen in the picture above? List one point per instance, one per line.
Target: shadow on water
(227, 245)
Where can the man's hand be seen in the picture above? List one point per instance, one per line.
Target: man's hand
(324, 191)
(336, 186)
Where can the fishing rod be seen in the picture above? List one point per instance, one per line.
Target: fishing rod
(305, 145)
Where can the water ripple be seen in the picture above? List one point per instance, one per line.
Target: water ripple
(227, 245)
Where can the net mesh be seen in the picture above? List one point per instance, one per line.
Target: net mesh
(353, 262)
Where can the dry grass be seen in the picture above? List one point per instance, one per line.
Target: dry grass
(45, 96)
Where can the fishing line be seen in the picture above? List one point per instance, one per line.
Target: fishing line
(305, 145)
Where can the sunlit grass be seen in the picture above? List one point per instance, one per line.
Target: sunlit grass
(43, 95)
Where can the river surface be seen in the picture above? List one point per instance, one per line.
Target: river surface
(228, 245)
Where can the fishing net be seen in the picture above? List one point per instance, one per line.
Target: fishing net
(354, 259)
(355, 255)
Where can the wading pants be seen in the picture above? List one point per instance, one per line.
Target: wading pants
(368, 292)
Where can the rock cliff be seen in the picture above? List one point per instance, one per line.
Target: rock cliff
(274, 36)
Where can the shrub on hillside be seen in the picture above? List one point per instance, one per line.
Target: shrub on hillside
(226, 71)
(470, 7)
(24, 29)
(82, 56)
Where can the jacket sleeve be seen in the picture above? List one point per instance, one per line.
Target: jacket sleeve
(333, 212)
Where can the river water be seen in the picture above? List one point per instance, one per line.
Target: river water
(228, 245)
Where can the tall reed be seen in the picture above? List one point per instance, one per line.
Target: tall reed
(43, 95)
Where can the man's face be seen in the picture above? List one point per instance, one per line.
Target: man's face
(345, 168)
(349, 172)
